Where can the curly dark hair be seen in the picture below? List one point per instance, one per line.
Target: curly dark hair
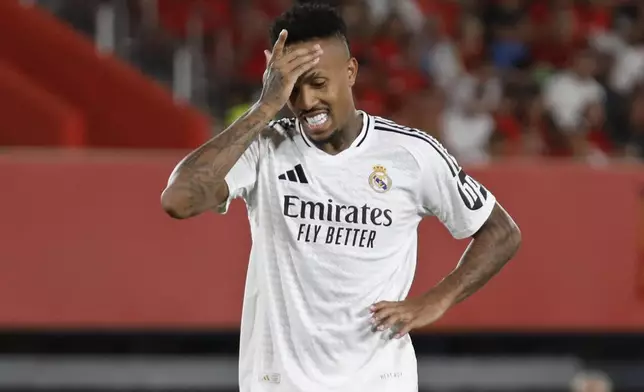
(308, 21)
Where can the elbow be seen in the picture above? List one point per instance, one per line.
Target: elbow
(181, 202)
(502, 231)
(513, 238)
(176, 204)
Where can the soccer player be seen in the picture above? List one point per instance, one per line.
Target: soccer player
(334, 198)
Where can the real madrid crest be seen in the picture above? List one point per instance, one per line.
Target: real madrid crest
(379, 180)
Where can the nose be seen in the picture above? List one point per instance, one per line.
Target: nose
(304, 98)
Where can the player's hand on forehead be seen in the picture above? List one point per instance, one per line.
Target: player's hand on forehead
(284, 68)
(290, 58)
(289, 53)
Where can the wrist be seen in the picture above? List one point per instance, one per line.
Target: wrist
(271, 110)
(445, 292)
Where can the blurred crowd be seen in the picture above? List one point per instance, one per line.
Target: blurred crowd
(489, 78)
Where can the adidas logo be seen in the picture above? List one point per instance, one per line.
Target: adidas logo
(273, 378)
(295, 175)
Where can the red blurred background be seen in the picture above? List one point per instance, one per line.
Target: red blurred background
(86, 244)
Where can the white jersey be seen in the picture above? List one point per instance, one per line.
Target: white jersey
(332, 235)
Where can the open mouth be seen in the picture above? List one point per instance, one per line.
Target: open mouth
(317, 121)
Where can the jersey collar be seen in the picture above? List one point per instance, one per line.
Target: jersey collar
(360, 140)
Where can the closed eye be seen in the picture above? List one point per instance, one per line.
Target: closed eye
(318, 83)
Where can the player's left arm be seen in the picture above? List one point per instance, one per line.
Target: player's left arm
(468, 210)
(492, 246)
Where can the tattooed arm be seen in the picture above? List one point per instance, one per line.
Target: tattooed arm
(198, 182)
(492, 247)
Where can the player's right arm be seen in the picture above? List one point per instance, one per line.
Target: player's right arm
(198, 183)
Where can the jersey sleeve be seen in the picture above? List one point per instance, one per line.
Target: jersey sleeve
(242, 177)
(446, 191)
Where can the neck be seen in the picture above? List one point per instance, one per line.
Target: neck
(343, 137)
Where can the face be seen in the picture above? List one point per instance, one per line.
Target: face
(322, 98)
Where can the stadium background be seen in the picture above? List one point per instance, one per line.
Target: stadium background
(100, 291)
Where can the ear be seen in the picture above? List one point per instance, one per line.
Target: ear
(352, 71)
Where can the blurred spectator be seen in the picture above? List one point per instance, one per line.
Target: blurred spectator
(628, 68)
(479, 90)
(574, 100)
(440, 58)
(471, 41)
(407, 11)
(468, 122)
(509, 33)
(467, 135)
(508, 135)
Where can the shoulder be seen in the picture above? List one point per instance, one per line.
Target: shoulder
(278, 132)
(424, 148)
(397, 134)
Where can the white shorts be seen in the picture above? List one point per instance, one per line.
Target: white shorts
(396, 370)
(386, 385)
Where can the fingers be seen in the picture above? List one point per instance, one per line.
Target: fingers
(404, 329)
(284, 69)
(278, 48)
(307, 63)
(299, 61)
(294, 63)
(385, 318)
(388, 315)
(381, 305)
(295, 55)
